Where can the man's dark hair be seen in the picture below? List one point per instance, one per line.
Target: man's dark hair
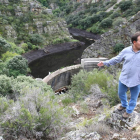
(135, 36)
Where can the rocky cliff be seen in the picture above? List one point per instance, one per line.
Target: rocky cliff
(104, 46)
(20, 19)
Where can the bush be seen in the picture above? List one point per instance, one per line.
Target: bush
(17, 66)
(16, 49)
(58, 40)
(8, 55)
(115, 14)
(118, 47)
(118, 21)
(77, 88)
(21, 83)
(5, 85)
(124, 5)
(36, 39)
(4, 46)
(4, 104)
(35, 115)
(24, 46)
(3, 69)
(106, 23)
(82, 82)
(56, 12)
(94, 9)
(95, 29)
(102, 15)
(129, 12)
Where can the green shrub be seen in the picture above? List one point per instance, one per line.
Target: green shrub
(94, 9)
(56, 12)
(77, 88)
(129, 12)
(118, 21)
(118, 47)
(5, 85)
(21, 83)
(29, 45)
(4, 104)
(17, 66)
(106, 23)
(8, 55)
(124, 5)
(58, 40)
(67, 39)
(115, 14)
(24, 46)
(82, 82)
(36, 39)
(3, 69)
(16, 49)
(102, 15)
(95, 29)
(4, 46)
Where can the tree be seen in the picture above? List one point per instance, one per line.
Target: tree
(125, 5)
(17, 66)
(4, 46)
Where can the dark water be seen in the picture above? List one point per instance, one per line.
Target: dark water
(41, 67)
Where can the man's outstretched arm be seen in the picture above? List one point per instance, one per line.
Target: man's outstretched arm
(113, 60)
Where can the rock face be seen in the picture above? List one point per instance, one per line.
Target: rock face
(119, 123)
(104, 46)
(27, 17)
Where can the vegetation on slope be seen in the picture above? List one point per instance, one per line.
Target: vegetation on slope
(94, 17)
(31, 28)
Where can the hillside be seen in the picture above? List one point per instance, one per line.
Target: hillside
(96, 16)
(114, 40)
(27, 21)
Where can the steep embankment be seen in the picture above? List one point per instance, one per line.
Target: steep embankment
(121, 34)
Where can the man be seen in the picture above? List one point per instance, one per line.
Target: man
(130, 74)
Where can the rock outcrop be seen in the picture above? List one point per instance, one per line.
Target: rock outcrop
(104, 46)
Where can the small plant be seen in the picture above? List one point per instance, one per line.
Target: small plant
(118, 47)
(67, 101)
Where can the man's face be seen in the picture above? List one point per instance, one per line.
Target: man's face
(137, 43)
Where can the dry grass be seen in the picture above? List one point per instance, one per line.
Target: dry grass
(100, 128)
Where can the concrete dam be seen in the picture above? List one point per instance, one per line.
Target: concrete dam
(62, 77)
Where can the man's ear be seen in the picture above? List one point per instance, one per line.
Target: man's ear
(134, 42)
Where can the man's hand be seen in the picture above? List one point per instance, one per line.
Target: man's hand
(100, 64)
